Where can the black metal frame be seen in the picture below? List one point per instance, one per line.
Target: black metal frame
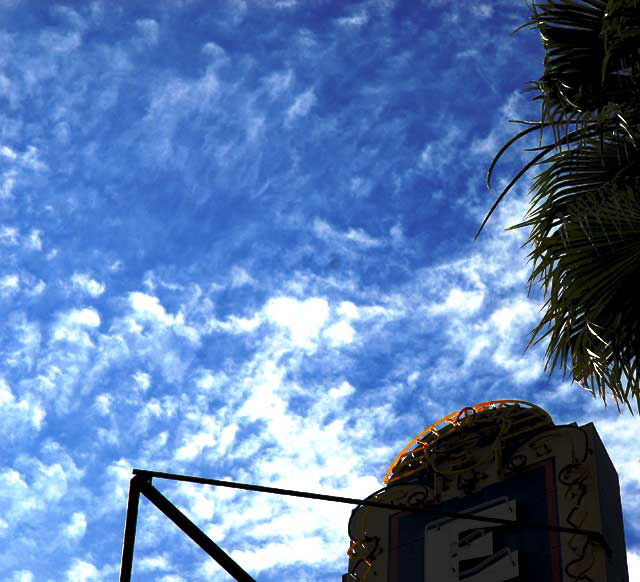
(141, 485)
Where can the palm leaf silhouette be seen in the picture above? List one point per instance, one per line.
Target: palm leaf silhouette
(584, 213)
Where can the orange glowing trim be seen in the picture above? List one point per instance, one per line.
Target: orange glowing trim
(455, 419)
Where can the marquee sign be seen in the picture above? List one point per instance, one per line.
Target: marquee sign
(506, 461)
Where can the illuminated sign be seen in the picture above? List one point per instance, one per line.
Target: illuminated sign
(505, 461)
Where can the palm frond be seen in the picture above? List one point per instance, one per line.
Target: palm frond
(584, 214)
(589, 267)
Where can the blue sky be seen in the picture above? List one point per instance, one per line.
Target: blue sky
(237, 242)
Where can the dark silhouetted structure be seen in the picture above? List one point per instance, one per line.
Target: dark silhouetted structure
(537, 485)
(492, 493)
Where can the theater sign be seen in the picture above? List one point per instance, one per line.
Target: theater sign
(544, 498)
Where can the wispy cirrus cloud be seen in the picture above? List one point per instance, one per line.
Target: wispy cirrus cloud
(242, 248)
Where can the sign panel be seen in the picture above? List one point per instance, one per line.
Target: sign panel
(457, 549)
(507, 460)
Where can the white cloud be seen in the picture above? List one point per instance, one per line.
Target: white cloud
(207, 381)
(153, 562)
(82, 571)
(243, 324)
(87, 285)
(195, 444)
(142, 381)
(359, 236)
(360, 186)
(51, 481)
(74, 326)
(324, 230)
(340, 333)
(397, 234)
(311, 550)
(7, 186)
(617, 432)
(236, 325)
(34, 242)
(261, 409)
(633, 562)
(348, 309)
(9, 235)
(202, 502)
(11, 479)
(345, 389)
(77, 526)
(119, 474)
(482, 10)
(30, 160)
(520, 312)
(69, 16)
(302, 319)
(432, 157)
(149, 30)
(148, 307)
(227, 437)
(57, 42)
(8, 90)
(28, 342)
(302, 105)
(356, 20)
(87, 316)
(203, 431)
(215, 51)
(38, 486)
(9, 284)
(22, 162)
(103, 403)
(8, 153)
(37, 289)
(173, 101)
(23, 414)
(459, 301)
(240, 277)
(6, 396)
(264, 402)
(488, 145)
(279, 83)
(513, 108)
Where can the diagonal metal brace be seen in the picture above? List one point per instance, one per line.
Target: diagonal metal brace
(194, 532)
(141, 484)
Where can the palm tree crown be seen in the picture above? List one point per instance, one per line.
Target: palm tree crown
(584, 214)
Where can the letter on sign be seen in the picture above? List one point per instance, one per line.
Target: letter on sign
(451, 541)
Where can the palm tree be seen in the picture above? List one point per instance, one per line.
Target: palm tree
(584, 211)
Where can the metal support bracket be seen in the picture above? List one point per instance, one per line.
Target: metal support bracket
(141, 485)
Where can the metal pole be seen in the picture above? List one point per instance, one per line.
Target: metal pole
(130, 527)
(194, 532)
